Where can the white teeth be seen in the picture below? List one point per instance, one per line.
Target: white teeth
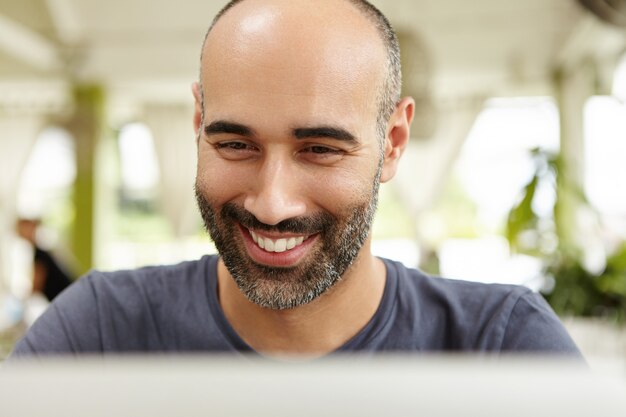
(278, 245)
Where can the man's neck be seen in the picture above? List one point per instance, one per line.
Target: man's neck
(314, 329)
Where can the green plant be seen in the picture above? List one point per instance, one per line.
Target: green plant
(576, 290)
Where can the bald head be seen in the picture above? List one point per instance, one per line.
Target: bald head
(310, 31)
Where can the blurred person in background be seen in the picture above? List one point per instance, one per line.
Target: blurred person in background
(298, 118)
(50, 277)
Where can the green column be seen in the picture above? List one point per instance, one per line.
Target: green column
(85, 126)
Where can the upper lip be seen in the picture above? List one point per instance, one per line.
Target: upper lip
(281, 244)
(270, 235)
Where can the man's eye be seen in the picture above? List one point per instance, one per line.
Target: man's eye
(235, 146)
(322, 150)
(320, 154)
(236, 150)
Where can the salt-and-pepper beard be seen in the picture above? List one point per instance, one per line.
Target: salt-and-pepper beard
(341, 239)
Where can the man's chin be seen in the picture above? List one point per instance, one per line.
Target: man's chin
(276, 294)
(281, 288)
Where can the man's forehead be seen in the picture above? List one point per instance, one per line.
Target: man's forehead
(295, 48)
(253, 14)
(309, 32)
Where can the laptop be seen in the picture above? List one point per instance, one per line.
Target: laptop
(160, 386)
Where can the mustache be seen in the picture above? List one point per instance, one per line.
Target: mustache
(298, 225)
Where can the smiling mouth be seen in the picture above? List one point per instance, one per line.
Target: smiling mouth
(277, 245)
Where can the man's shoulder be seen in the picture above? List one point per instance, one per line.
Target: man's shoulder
(462, 315)
(146, 309)
(149, 290)
(151, 275)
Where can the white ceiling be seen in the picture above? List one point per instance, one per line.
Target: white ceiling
(149, 49)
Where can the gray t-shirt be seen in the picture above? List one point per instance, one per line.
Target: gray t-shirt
(175, 309)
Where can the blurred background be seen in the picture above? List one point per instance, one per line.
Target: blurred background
(514, 173)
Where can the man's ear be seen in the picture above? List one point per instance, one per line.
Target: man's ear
(197, 114)
(397, 137)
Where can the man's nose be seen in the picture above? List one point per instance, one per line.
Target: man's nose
(277, 194)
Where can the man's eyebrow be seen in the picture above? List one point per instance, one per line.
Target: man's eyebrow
(325, 132)
(223, 126)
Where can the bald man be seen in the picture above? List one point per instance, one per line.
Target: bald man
(299, 119)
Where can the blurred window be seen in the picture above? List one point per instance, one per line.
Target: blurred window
(496, 160)
(141, 233)
(48, 176)
(139, 163)
(605, 148)
(495, 163)
(619, 80)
